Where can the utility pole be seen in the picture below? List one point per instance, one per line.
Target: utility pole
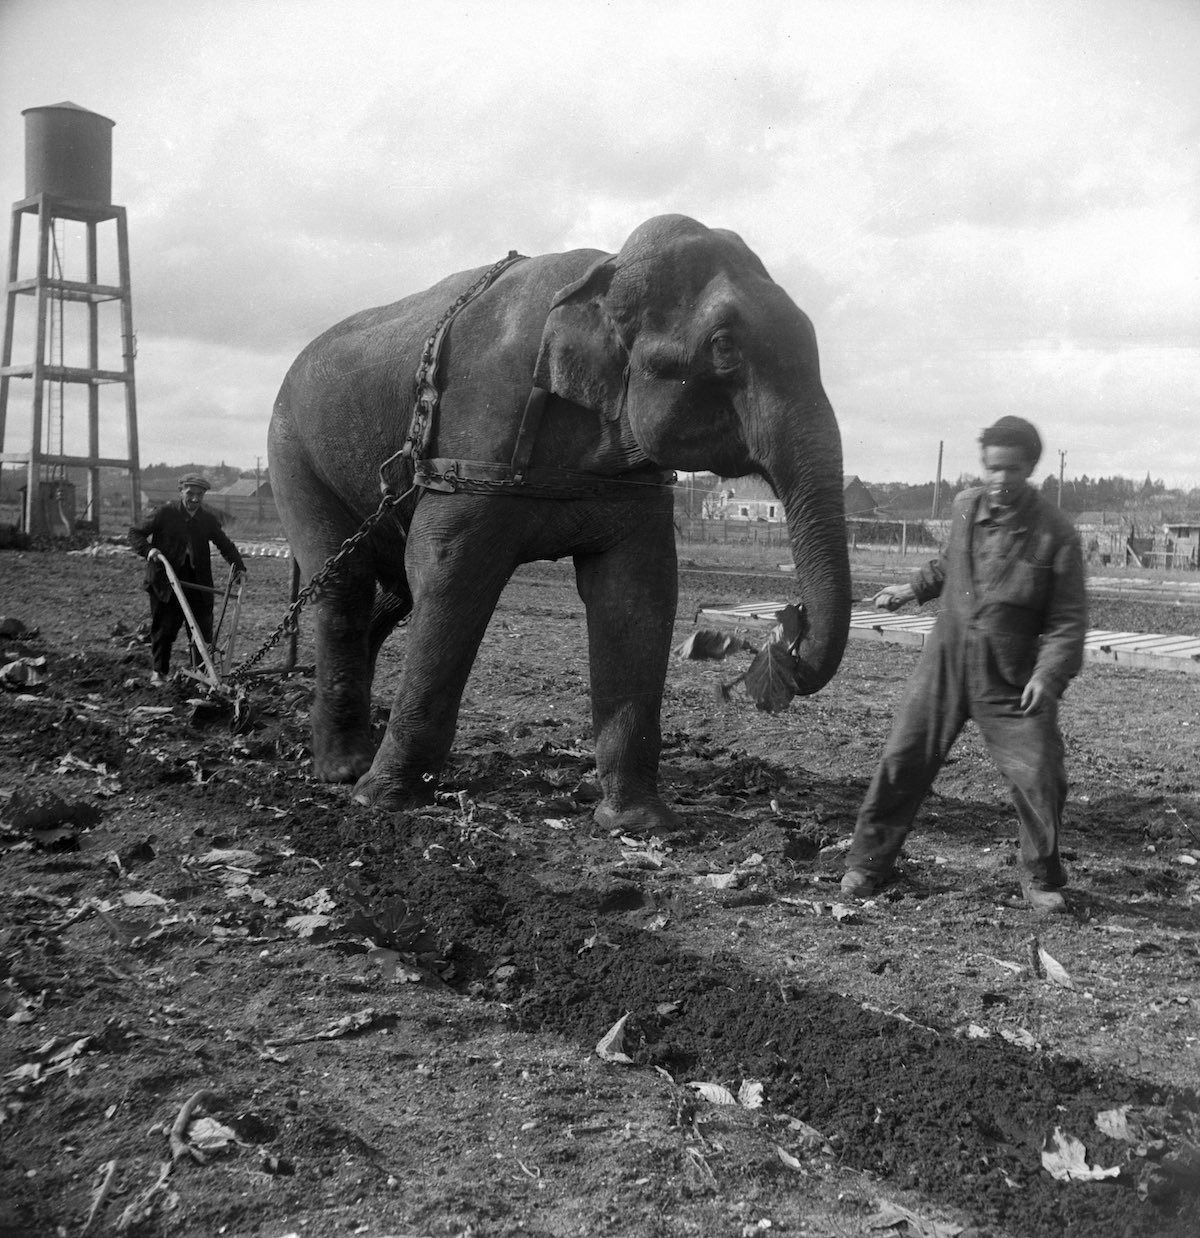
(937, 485)
(258, 486)
(1062, 463)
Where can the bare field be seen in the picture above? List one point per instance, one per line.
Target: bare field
(392, 1020)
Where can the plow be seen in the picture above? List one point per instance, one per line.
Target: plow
(213, 667)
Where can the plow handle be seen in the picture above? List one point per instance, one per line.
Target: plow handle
(193, 627)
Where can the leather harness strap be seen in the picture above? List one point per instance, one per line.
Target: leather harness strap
(531, 421)
(480, 477)
(425, 381)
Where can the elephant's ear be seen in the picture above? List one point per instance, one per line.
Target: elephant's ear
(582, 358)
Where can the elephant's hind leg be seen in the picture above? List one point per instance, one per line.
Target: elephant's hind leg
(342, 744)
(318, 524)
(343, 747)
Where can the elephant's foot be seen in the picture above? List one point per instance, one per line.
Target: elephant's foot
(377, 790)
(342, 758)
(650, 816)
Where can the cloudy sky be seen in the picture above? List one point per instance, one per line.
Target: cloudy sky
(986, 207)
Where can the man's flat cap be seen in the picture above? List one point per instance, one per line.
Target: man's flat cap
(194, 479)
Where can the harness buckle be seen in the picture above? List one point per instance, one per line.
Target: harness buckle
(445, 482)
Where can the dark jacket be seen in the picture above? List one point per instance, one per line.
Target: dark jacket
(171, 530)
(1034, 617)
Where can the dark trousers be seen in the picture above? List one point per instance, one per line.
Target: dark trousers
(166, 618)
(955, 681)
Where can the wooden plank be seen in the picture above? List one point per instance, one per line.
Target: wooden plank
(1124, 640)
(893, 625)
(889, 636)
(1167, 644)
(1147, 650)
(1150, 661)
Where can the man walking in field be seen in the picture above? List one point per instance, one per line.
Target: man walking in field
(180, 533)
(1008, 640)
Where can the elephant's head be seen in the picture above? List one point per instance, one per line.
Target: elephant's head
(685, 336)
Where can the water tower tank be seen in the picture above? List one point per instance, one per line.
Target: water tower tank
(68, 153)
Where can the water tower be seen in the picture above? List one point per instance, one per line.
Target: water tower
(78, 344)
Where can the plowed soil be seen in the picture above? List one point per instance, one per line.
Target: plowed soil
(238, 1003)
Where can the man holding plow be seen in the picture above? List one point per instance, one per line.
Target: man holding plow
(180, 534)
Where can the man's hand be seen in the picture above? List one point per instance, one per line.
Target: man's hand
(1035, 697)
(892, 597)
(239, 577)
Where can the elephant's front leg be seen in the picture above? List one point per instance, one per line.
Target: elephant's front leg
(630, 593)
(458, 562)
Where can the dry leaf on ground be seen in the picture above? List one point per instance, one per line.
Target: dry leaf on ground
(1065, 1158)
(714, 1093)
(1114, 1124)
(750, 1094)
(611, 1045)
(787, 1158)
(892, 1216)
(209, 1135)
(1055, 970)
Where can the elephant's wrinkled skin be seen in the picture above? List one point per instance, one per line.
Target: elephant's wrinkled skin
(678, 352)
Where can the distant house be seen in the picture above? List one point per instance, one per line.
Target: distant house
(245, 488)
(750, 498)
(1185, 525)
(1181, 540)
(694, 493)
(744, 498)
(857, 499)
(246, 499)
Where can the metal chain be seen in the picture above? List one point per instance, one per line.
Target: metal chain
(289, 625)
(427, 394)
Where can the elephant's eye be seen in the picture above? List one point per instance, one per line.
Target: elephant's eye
(726, 355)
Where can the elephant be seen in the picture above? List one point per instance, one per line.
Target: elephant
(677, 353)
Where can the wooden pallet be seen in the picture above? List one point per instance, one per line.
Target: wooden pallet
(1141, 649)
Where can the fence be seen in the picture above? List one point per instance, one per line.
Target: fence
(895, 536)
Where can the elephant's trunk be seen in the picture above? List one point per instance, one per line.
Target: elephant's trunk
(817, 531)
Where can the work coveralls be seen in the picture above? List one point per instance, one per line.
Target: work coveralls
(1014, 608)
(184, 540)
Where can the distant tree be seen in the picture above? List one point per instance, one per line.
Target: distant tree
(911, 502)
(1083, 493)
(219, 474)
